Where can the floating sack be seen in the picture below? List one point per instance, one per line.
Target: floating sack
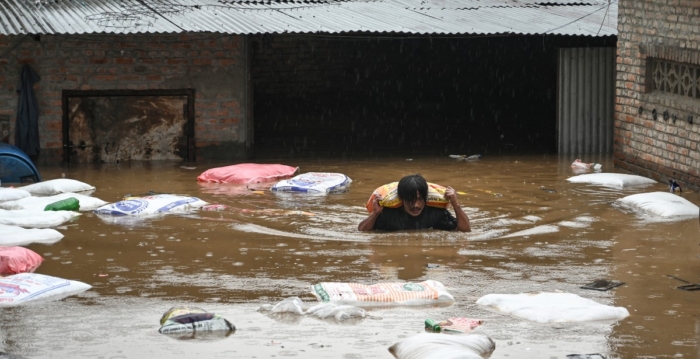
(12, 194)
(35, 219)
(338, 312)
(292, 305)
(56, 186)
(15, 260)
(21, 288)
(466, 158)
(662, 204)
(148, 205)
(314, 182)
(390, 196)
(620, 180)
(437, 346)
(87, 203)
(453, 325)
(578, 164)
(552, 307)
(187, 321)
(246, 173)
(18, 236)
(382, 294)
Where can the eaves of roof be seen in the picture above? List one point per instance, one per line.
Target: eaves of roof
(418, 17)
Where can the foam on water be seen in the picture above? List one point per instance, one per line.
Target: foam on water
(546, 228)
(254, 228)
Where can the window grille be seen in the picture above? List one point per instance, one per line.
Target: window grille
(675, 78)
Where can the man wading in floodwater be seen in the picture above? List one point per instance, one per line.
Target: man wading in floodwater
(414, 214)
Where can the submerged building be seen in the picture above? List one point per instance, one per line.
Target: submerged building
(235, 80)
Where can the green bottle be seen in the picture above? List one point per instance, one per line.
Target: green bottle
(68, 204)
(433, 325)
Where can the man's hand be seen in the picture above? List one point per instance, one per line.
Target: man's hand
(368, 223)
(451, 195)
(462, 218)
(376, 207)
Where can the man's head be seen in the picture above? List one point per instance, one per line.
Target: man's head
(413, 191)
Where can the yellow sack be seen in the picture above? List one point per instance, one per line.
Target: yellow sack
(390, 197)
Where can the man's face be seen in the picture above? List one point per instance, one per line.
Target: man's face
(415, 208)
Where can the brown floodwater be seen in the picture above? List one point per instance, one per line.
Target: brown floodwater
(267, 247)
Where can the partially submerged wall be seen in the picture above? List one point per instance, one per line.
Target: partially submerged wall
(657, 112)
(211, 64)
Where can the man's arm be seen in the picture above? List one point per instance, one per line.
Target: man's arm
(368, 223)
(462, 218)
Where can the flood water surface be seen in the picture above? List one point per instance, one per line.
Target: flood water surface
(531, 231)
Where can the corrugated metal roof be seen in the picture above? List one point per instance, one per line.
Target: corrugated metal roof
(448, 17)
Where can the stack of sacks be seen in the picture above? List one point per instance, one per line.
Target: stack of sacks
(23, 220)
(22, 216)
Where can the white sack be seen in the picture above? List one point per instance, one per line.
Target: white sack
(56, 186)
(619, 180)
(35, 219)
(339, 312)
(443, 346)
(21, 288)
(662, 204)
(87, 203)
(18, 236)
(12, 194)
(150, 205)
(292, 305)
(552, 307)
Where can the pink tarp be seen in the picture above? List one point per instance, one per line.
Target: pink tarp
(14, 260)
(246, 173)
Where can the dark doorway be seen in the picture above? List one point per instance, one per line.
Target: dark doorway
(343, 96)
(128, 125)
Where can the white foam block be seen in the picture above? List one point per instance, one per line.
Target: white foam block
(552, 307)
(619, 180)
(662, 204)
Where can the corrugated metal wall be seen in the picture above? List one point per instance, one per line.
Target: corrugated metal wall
(585, 100)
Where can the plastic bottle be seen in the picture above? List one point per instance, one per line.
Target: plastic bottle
(68, 204)
(433, 325)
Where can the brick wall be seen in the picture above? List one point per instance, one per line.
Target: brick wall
(211, 64)
(662, 149)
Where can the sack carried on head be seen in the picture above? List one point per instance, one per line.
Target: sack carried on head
(390, 197)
